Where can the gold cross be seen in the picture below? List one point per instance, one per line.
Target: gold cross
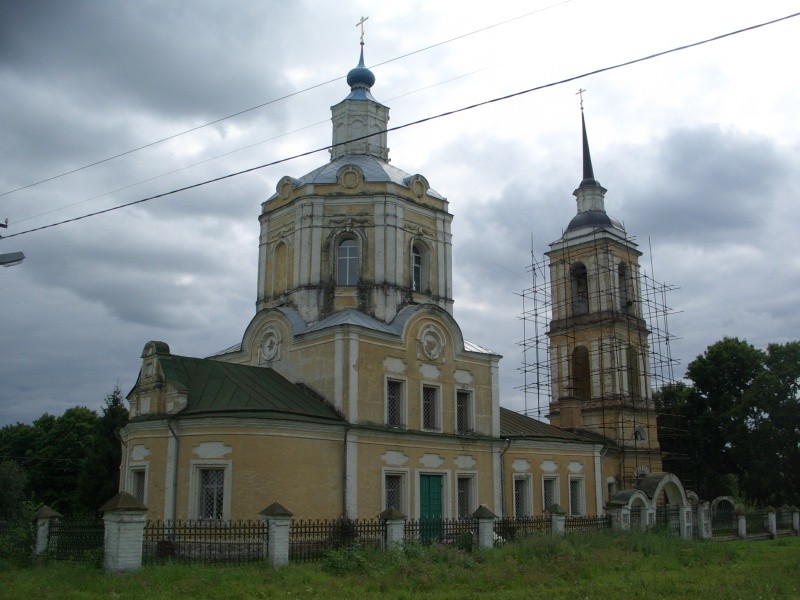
(361, 23)
(580, 93)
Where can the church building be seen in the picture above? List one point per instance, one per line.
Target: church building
(353, 390)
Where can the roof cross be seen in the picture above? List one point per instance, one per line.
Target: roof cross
(580, 93)
(361, 24)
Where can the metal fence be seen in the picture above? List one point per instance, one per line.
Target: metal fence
(724, 523)
(77, 538)
(510, 528)
(587, 524)
(309, 540)
(783, 519)
(204, 541)
(757, 522)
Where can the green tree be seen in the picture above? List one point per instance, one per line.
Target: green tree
(13, 488)
(738, 424)
(99, 478)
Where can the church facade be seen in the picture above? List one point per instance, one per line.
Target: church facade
(353, 389)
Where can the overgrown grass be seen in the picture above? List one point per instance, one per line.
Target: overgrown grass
(595, 566)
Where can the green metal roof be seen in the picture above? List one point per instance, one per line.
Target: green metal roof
(516, 425)
(219, 388)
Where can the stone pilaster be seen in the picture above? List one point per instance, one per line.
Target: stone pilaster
(278, 520)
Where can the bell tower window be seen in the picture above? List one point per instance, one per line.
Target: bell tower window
(580, 373)
(634, 387)
(625, 297)
(416, 268)
(580, 289)
(347, 262)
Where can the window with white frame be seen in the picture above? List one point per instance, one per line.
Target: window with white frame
(347, 262)
(577, 503)
(549, 492)
(394, 494)
(395, 403)
(464, 412)
(465, 495)
(430, 407)
(210, 489)
(212, 493)
(137, 484)
(522, 496)
(419, 268)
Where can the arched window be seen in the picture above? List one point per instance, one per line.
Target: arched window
(347, 262)
(279, 270)
(640, 434)
(417, 273)
(580, 289)
(624, 285)
(634, 386)
(581, 383)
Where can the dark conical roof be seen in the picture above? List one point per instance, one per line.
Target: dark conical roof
(588, 170)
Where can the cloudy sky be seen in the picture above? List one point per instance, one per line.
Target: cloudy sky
(699, 150)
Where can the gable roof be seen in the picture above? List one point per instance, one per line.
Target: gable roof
(226, 389)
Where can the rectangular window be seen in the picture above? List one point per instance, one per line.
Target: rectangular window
(394, 491)
(395, 406)
(522, 495)
(549, 492)
(430, 407)
(576, 508)
(212, 486)
(138, 484)
(464, 497)
(464, 412)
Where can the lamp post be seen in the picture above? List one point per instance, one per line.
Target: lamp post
(11, 258)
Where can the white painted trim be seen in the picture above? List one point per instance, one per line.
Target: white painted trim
(351, 468)
(403, 400)
(195, 466)
(598, 483)
(405, 492)
(338, 372)
(582, 493)
(529, 501)
(556, 489)
(438, 407)
(130, 483)
(353, 378)
(169, 477)
(473, 491)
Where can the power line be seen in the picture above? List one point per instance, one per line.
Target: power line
(417, 122)
(273, 101)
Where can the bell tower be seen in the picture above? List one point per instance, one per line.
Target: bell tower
(597, 334)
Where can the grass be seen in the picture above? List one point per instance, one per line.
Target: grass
(592, 566)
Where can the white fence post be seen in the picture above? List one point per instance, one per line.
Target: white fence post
(742, 526)
(557, 520)
(278, 519)
(485, 518)
(124, 518)
(704, 521)
(44, 517)
(772, 522)
(395, 523)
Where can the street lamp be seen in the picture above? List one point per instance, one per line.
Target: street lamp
(12, 258)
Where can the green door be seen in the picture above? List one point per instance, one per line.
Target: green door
(430, 508)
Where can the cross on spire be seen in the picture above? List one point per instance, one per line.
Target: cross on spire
(361, 24)
(578, 93)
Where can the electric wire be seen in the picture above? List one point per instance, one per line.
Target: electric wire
(417, 122)
(274, 101)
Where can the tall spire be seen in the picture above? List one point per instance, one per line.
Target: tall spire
(588, 171)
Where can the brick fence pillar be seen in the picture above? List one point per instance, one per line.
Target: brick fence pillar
(772, 522)
(485, 518)
(394, 523)
(124, 518)
(278, 520)
(44, 517)
(558, 520)
(704, 521)
(685, 522)
(742, 525)
(796, 521)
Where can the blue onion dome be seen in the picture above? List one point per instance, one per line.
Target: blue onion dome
(360, 76)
